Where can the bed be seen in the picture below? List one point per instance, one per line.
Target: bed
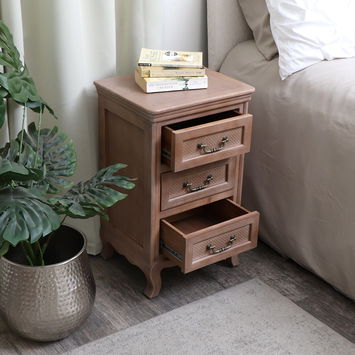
(300, 173)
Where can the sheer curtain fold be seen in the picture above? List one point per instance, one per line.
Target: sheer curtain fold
(169, 24)
(67, 44)
(11, 11)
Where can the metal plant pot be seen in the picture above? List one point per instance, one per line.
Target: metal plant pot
(46, 303)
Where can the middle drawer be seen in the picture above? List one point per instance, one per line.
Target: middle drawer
(193, 184)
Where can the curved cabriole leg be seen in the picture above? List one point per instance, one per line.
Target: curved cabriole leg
(107, 250)
(233, 261)
(153, 277)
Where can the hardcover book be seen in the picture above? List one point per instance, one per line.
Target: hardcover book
(164, 72)
(151, 85)
(168, 58)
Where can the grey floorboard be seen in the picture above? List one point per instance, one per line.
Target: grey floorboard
(120, 302)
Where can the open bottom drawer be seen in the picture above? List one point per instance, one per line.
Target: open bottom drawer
(208, 234)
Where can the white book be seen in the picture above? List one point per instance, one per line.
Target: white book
(151, 85)
(169, 58)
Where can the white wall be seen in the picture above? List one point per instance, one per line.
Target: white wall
(163, 24)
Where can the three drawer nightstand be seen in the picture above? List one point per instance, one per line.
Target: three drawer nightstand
(187, 151)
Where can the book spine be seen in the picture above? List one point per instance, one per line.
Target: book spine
(173, 65)
(178, 85)
(176, 73)
(153, 72)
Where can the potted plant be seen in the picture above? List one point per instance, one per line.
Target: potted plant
(46, 286)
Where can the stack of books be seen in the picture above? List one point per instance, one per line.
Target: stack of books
(165, 70)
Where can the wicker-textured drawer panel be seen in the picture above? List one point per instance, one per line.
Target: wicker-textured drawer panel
(208, 234)
(193, 184)
(190, 150)
(221, 243)
(205, 140)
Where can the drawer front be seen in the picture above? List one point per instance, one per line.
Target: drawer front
(193, 184)
(205, 143)
(220, 244)
(197, 238)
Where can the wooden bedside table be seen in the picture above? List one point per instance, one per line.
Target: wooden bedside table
(187, 150)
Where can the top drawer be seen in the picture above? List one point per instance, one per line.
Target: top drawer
(206, 139)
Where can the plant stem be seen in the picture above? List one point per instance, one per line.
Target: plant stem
(63, 219)
(22, 130)
(40, 253)
(49, 237)
(38, 135)
(45, 245)
(26, 252)
(30, 252)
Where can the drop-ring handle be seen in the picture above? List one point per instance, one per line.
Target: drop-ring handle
(188, 185)
(213, 250)
(213, 150)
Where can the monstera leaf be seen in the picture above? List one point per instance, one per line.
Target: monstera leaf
(16, 82)
(4, 247)
(19, 168)
(24, 215)
(3, 94)
(10, 170)
(21, 87)
(9, 55)
(56, 153)
(90, 198)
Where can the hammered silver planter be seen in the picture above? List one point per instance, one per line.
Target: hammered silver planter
(47, 303)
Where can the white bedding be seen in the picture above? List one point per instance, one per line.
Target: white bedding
(300, 173)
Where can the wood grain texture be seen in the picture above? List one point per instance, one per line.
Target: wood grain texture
(174, 193)
(133, 128)
(221, 93)
(182, 144)
(189, 233)
(120, 302)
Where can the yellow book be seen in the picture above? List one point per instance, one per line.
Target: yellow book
(169, 58)
(164, 72)
(150, 85)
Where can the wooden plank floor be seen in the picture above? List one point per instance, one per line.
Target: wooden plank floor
(120, 302)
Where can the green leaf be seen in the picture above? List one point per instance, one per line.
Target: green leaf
(25, 215)
(93, 196)
(14, 172)
(21, 87)
(39, 106)
(10, 56)
(16, 80)
(7, 166)
(2, 112)
(4, 247)
(14, 168)
(57, 155)
(3, 92)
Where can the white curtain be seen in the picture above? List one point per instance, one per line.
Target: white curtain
(168, 24)
(12, 12)
(67, 44)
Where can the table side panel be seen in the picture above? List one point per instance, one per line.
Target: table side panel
(125, 138)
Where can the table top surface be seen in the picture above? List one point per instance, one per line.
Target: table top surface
(124, 89)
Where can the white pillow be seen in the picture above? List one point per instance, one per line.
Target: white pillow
(309, 31)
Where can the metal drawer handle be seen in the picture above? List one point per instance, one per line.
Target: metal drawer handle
(213, 150)
(213, 250)
(188, 185)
